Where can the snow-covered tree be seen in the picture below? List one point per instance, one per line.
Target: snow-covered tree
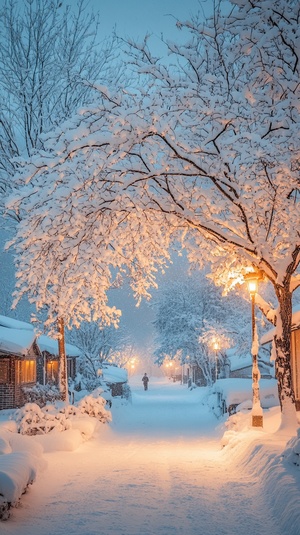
(50, 57)
(191, 316)
(184, 307)
(98, 345)
(208, 148)
(50, 60)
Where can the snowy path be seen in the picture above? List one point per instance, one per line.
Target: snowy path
(157, 470)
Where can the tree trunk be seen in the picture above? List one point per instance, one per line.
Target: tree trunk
(63, 378)
(283, 369)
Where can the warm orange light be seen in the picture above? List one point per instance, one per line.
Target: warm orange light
(253, 286)
(252, 279)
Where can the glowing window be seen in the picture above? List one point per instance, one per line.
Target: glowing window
(26, 371)
(52, 371)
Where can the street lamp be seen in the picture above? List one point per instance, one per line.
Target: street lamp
(216, 347)
(252, 280)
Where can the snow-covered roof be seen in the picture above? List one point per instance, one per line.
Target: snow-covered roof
(46, 343)
(236, 391)
(16, 341)
(12, 323)
(238, 362)
(268, 337)
(113, 374)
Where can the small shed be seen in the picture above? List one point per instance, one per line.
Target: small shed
(115, 378)
(18, 363)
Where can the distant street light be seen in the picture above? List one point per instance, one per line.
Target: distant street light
(216, 347)
(252, 280)
(131, 366)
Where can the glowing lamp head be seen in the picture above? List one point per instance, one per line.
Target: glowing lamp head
(252, 279)
(252, 286)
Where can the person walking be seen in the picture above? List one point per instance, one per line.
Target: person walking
(145, 380)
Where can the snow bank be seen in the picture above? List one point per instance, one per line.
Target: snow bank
(21, 456)
(32, 431)
(20, 461)
(17, 471)
(269, 458)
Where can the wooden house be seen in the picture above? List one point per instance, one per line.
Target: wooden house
(18, 364)
(26, 360)
(295, 351)
(48, 370)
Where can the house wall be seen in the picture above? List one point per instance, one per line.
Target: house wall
(7, 386)
(40, 373)
(48, 368)
(11, 392)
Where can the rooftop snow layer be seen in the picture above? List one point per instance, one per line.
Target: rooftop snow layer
(113, 374)
(17, 341)
(46, 343)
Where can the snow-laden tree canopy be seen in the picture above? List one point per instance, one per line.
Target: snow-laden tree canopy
(49, 61)
(207, 149)
(185, 309)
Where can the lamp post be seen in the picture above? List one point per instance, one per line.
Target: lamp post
(252, 280)
(216, 347)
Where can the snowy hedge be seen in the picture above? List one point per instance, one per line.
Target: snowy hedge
(19, 463)
(35, 420)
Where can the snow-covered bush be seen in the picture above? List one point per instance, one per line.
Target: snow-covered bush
(235, 425)
(41, 394)
(34, 420)
(94, 405)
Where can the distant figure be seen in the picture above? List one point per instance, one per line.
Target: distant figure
(145, 380)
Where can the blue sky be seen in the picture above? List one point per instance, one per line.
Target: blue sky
(135, 18)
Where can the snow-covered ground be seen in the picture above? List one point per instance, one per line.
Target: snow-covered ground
(160, 468)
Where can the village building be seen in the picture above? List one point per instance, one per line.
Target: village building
(295, 351)
(27, 360)
(19, 354)
(47, 372)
